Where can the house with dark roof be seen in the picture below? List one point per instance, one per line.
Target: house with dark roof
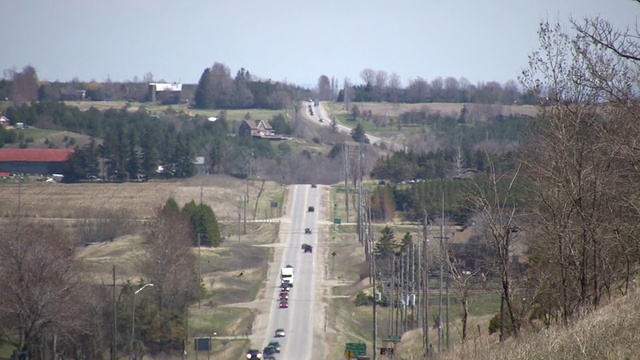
(256, 128)
(34, 161)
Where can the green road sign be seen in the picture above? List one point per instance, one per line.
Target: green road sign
(337, 221)
(358, 349)
(394, 339)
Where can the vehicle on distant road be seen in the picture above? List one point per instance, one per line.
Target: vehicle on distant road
(269, 353)
(307, 231)
(254, 355)
(284, 304)
(279, 333)
(285, 287)
(275, 345)
(307, 248)
(284, 295)
(286, 275)
(311, 209)
(313, 186)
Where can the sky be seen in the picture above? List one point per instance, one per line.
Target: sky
(284, 40)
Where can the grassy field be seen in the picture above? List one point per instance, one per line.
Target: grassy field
(394, 110)
(219, 267)
(232, 115)
(138, 200)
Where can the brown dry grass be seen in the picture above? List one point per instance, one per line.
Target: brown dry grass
(394, 110)
(608, 333)
(138, 200)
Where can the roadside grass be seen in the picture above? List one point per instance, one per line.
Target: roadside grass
(6, 350)
(227, 321)
(349, 273)
(610, 332)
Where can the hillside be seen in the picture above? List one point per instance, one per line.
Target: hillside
(610, 332)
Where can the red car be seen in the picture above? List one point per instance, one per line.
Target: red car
(284, 304)
(284, 296)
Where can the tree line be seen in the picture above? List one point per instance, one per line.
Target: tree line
(379, 86)
(217, 89)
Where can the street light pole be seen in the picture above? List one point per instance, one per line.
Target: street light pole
(133, 319)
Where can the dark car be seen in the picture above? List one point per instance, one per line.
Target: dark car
(307, 231)
(307, 248)
(284, 304)
(275, 345)
(311, 209)
(285, 287)
(254, 355)
(313, 186)
(269, 353)
(284, 295)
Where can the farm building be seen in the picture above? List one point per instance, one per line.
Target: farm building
(34, 161)
(165, 92)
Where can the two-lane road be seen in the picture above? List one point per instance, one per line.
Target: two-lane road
(298, 319)
(319, 112)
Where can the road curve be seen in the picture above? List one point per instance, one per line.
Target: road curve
(298, 319)
(319, 112)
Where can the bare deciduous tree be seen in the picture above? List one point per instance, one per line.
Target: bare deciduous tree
(170, 262)
(494, 200)
(41, 285)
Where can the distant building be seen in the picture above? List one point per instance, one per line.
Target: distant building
(199, 163)
(34, 161)
(4, 121)
(256, 128)
(165, 92)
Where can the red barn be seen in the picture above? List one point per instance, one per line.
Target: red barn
(34, 161)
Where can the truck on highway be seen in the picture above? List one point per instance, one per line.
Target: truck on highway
(286, 275)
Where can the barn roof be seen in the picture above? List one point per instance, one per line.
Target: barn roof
(35, 155)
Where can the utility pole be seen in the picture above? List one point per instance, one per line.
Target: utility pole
(115, 317)
(359, 184)
(375, 303)
(345, 151)
(413, 285)
(239, 218)
(425, 288)
(201, 194)
(440, 333)
(199, 270)
(246, 200)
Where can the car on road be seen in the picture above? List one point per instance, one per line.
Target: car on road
(269, 353)
(311, 209)
(313, 186)
(307, 231)
(254, 355)
(307, 248)
(279, 333)
(284, 304)
(284, 295)
(275, 345)
(285, 287)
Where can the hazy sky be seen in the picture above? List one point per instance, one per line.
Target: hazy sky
(293, 40)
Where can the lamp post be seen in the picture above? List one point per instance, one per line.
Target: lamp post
(133, 318)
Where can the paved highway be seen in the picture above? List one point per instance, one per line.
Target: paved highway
(319, 112)
(298, 319)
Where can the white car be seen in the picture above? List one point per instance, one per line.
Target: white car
(280, 333)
